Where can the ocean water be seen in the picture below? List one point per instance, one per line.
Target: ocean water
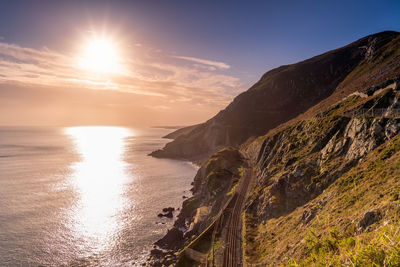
(85, 196)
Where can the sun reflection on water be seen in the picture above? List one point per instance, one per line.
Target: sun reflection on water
(99, 179)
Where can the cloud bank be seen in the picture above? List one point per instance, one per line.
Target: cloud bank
(151, 80)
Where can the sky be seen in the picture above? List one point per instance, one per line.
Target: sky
(166, 62)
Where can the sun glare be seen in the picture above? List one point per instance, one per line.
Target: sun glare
(101, 55)
(99, 180)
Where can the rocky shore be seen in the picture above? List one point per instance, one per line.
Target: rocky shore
(211, 189)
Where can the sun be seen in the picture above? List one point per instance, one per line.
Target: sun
(101, 55)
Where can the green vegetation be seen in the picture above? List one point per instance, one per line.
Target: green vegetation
(232, 190)
(379, 248)
(332, 238)
(240, 171)
(380, 58)
(217, 249)
(390, 150)
(328, 188)
(327, 229)
(235, 182)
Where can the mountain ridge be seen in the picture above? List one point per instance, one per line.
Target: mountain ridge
(280, 95)
(326, 181)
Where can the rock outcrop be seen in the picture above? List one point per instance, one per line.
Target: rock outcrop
(299, 162)
(369, 218)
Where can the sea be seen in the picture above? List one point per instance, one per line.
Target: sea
(85, 196)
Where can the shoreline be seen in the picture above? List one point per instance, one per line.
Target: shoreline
(157, 254)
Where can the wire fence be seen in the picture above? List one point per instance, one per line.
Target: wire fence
(377, 112)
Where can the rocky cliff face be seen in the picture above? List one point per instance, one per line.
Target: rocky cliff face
(282, 94)
(326, 191)
(300, 162)
(302, 170)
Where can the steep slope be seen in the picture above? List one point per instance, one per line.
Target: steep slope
(326, 192)
(181, 131)
(326, 188)
(324, 184)
(285, 92)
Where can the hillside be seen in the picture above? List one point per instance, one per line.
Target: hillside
(182, 131)
(285, 92)
(324, 184)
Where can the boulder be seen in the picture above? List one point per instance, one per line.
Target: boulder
(169, 209)
(309, 214)
(173, 239)
(391, 129)
(157, 252)
(369, 218)
(168, 212)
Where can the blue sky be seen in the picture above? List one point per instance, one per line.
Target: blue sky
(251, 37)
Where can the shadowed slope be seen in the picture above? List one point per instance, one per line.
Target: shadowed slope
(282, 94)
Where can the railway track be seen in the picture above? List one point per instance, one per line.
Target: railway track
(233, 248)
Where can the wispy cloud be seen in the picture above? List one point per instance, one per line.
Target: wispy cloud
(217, 64)
(146, 75)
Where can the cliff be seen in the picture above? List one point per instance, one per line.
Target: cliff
(325, 185)
(285, 92)
(180, 132)
(326, 182)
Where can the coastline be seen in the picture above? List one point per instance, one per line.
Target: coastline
(211, 190)
(162, 250)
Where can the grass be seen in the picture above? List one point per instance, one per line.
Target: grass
(235, 182)
(381, 57)
(379, 248)
(332, 237)
(390, 150)
(232, 191)
(217, 248)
